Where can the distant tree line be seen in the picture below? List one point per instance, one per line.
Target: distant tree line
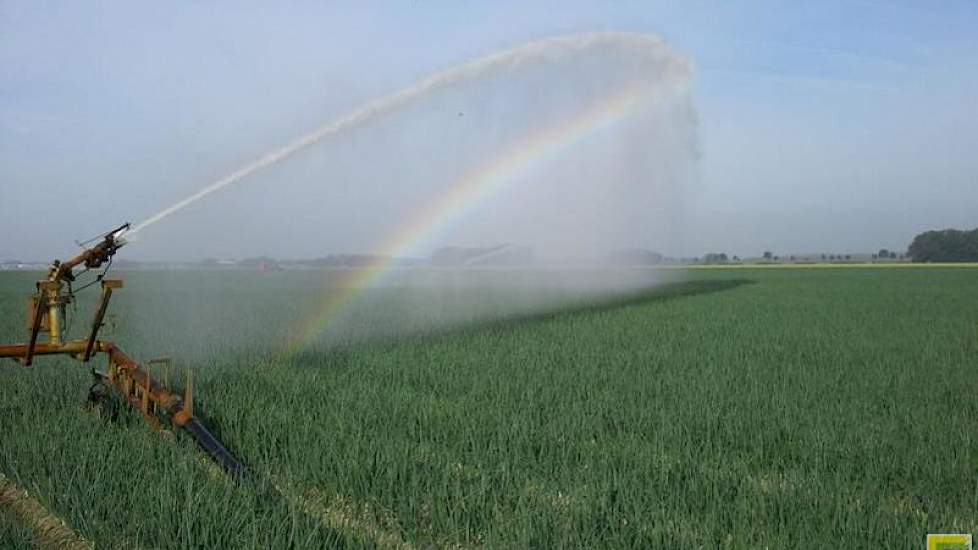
(341, 260)
(885, 254)
(947, 245)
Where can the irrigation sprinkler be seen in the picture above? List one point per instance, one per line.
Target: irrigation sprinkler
(47, 315)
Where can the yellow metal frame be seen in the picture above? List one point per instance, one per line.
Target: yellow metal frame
(133, 382)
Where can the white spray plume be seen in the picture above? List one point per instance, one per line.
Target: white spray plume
(641, 46)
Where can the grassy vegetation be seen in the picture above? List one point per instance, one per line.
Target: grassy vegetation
(12, 535)
(744, 409)
(834, 265)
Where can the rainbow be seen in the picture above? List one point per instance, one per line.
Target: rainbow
(473, 188)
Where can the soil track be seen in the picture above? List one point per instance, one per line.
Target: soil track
(49, 531)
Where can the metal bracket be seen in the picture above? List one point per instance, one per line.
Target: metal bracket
(107, 286)
(40, 304)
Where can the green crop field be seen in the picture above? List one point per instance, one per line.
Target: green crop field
(801, 408)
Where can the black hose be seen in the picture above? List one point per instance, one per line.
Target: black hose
(210, 444)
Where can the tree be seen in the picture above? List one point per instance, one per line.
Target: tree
(883, 254)
(948, 245)
(848, 257)
(768, 255)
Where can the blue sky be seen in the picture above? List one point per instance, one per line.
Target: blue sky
(823, 126)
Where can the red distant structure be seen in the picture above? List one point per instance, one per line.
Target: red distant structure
(266, 266)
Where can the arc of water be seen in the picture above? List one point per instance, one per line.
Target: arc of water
(642, 45)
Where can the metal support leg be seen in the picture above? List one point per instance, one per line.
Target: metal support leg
(107, 287)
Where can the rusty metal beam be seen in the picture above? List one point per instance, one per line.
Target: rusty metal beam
(35, 329)
(181, 412)
(107, 287)
(73, 347)
(138, 388)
